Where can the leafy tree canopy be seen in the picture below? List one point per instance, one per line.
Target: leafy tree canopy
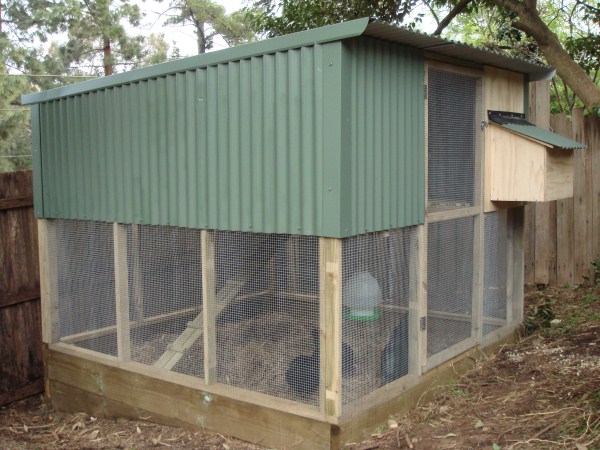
(209, 20)
(521, 22)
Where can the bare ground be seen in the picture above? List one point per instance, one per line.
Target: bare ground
(543, 392)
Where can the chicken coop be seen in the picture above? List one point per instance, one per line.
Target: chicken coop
(287, 240)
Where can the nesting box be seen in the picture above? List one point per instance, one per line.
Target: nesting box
(528, 163)
(210, 226)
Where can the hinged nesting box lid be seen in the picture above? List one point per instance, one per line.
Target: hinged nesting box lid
(517, 123)
(528, 163)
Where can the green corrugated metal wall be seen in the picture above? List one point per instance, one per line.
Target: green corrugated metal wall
(386, 136)
(304, 141)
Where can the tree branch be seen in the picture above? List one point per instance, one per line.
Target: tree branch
(460, 7)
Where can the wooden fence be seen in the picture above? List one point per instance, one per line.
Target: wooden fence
(21, 369)
(562, 238)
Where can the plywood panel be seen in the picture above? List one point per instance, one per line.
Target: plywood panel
(504, 90)
(517, 172)
(559, 174)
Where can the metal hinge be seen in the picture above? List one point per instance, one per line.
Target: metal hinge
(423, 323)
(425, 91)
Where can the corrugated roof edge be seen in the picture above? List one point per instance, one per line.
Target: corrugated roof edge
(458, 50)
(329, 33)
(543, 135)
(320, 35)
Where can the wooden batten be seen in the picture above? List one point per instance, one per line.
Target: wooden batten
(122, 292)
(330, 325)
(78, 384)
(48, 283)
(210, 311)
(107, 387)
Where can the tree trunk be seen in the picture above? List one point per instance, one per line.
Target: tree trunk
(201, 38)
(107, 56)
(571, 73)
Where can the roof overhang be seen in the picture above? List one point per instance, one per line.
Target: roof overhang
(337, 32)
(516, 123)
(444, 47)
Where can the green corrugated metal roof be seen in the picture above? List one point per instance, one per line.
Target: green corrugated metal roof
(546, 136)
(517, 123)
(345, 30)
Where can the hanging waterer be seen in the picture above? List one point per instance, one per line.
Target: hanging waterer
(362, 295)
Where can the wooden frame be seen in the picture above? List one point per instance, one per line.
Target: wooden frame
(108, 387)
(475, 211)
(330, 274)
(299, 417)
(48, 280)
(122, 292)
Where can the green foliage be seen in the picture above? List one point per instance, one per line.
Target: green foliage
(46, 44)
(210, 20)
(539, 316)
(15, 134)
(279, 17)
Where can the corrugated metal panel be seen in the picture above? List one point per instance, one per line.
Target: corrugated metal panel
(546, 136)
(308, 38)
(321, 35)
(458, 50)
(387, 136)
(234, 146)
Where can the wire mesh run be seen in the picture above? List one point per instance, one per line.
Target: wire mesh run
(450, 247)
(453, 122)
(267, 334)
(165, 297)
(84, 262)
(495, 271)
(379, 273)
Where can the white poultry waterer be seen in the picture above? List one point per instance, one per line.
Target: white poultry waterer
(362, 295)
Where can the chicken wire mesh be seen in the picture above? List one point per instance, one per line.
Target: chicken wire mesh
(267, 335)
(450, 250)
(85, 287)
(165, 297)
(453, 122)
(379, 273)
(495, 271)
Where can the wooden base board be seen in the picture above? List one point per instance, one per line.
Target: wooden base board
(77, 384)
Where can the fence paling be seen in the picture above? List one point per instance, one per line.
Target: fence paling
(564, 235)
(20, 322)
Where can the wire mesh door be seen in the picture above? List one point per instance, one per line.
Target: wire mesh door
(454, 161)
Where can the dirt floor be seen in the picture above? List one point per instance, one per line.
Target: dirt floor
(541, 393)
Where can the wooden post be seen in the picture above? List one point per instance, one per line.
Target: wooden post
(564, 218)
(517, 224)
(417, 314)
(138, 299)
(545, 213)
(593, 142)
(477, 294)
(330, 307)
(209, 306)
(122, 291)
(48, 282)
(582, 201)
